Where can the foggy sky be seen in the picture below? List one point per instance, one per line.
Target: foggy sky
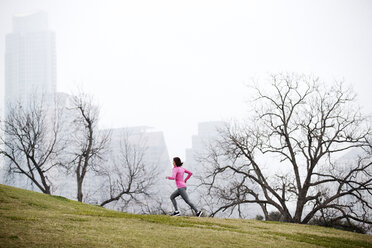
(172, 64)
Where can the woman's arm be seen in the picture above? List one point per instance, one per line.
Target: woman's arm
(188, 176)
(173, 176)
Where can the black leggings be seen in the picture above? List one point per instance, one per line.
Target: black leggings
(183, 194)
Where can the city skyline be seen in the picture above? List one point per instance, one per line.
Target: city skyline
(172, 65)
(266, 102)
(30, 78)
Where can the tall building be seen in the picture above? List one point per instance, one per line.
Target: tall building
(30, 65)
(200, 143)
(208, 132)
(139, 138)
(30, 59)
(208, 135)
(155, 152)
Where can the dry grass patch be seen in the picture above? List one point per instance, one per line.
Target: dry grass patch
(30, 219)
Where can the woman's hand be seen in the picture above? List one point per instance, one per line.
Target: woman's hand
(166, 177)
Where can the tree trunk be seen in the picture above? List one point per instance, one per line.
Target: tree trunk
(79, 189)
(47, 190)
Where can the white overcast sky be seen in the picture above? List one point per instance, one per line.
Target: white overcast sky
(172, 64)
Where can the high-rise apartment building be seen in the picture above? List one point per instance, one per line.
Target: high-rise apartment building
(30, 59)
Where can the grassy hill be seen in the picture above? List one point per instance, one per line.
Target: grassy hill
(30, 219)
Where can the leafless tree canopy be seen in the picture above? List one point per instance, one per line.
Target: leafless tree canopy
(129, 178)
(287, 154)
(87, 143)
(31, 142)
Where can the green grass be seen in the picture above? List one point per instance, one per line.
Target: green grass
(30, 219)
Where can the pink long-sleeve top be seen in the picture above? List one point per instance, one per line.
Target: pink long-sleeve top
(178, 173)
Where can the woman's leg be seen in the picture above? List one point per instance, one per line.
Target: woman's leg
(174, 195)
(182, 192)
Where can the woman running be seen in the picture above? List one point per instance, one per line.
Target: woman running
(178, 173)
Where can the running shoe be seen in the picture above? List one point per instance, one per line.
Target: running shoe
(199, 214)
(176, 213)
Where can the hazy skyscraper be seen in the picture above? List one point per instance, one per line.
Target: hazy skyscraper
(208, 132)
(30, 65)
(30, 58)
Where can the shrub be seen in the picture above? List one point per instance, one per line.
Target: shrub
(338, 224)
(259, 217)
(275, 216)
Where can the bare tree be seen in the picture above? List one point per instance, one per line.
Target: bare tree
(130, 178)
(87, 143)
(31, 143)
(287, 154)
